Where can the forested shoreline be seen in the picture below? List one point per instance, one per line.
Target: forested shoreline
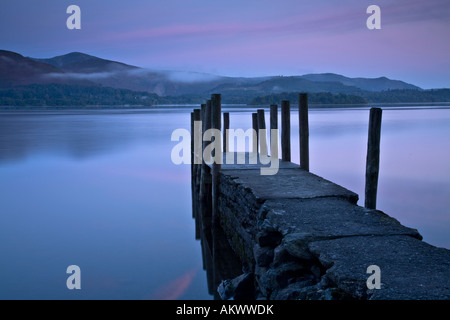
(61, 95)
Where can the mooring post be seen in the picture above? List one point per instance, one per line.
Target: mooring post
(197, 138)
(195, 167)
(206, 124)
(226, 127)
(192, 141)
(273, 116)
(273, 123)
(373, 158)
(256, 134)
(205, 180)
(202, 118)
(216, 118)
(192, 165)
(262, 132)
(198, 175)
(304, 130)
(285, 130)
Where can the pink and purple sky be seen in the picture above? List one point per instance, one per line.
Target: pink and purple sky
(243, 37)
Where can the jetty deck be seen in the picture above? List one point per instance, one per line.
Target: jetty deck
(295, 235)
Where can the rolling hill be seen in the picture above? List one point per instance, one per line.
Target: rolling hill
(82, 70)
(374, 84)
(16, 70)
(77, 62)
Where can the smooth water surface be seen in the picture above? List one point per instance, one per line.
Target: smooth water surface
(98, 189)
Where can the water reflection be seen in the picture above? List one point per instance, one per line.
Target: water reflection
(414, 171)
(219, 259)
(98, 189)
(76, 134)
(95, 189)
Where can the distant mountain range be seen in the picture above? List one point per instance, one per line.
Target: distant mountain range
(78, 69)
(80, 63)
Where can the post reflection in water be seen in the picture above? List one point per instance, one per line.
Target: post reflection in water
(219, 259)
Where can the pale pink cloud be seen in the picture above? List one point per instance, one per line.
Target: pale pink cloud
(182, 30)
(252, 37)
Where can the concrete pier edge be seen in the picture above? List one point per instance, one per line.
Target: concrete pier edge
(300, 236)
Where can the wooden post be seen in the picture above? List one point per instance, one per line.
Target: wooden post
(206, 126)
(273, 121)
(197, 138)
(198, 174)
(215, 124)
(262, 137)
(203, 119)
(192, 165)
(216, 118)
(226, 126)
(304, 131)
(285, 130)
(205, 180)
(206, 122)
(192, 142)
(256, 135)
(195, 166)
(373, 158)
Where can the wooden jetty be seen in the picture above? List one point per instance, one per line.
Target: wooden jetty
(295, 235)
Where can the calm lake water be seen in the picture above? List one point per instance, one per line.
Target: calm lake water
(98, 189)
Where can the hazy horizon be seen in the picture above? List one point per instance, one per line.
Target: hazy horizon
(243, 38)
(189, 76)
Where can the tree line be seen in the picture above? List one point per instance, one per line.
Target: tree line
(365, 97)
(73, 95)
(79, 95)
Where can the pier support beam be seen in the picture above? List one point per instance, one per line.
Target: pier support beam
(226, 127)
(216, 118)
(273, 119)
(304, 131)
(195, 143)
(256, 135)
(285, 130)
(262, 132)
(205, 179)
(373, 158)
(192, 166)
